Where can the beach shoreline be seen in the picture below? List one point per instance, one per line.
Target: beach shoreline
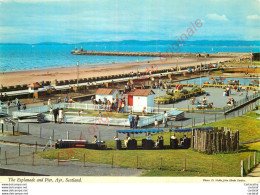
(67, 73)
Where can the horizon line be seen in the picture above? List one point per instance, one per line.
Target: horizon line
(45, 42)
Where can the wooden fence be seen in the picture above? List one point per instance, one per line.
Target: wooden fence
(215, 141)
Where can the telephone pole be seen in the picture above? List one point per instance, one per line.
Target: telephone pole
(77, 73)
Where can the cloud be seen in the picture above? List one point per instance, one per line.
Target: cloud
(217, 17)
(253, 17)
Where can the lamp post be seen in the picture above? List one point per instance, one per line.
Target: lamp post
(251, 58)
(77, 73)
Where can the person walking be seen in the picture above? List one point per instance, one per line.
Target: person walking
(24, 106)
(130, 118)
(136, 121)
(246, 98)
(55, 113)
(61, 114)
(165, 118)
(19, 105)
(123, 107)
(66, 100)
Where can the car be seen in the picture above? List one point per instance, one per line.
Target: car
(51, 88)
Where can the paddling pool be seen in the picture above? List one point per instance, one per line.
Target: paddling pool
(201, 80)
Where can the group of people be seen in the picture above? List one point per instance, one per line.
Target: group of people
(165, 119)
(19, 106)
(231, 102)
(133, 120)
(227, 91)
(181, 139)
(160, 85)
(66, 100)
(116, 104)
(58, 114)
(159, 138)
(204, 103)
(129, 86)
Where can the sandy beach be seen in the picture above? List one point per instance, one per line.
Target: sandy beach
(66, 73)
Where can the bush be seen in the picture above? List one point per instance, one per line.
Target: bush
(167, 97)
(185, 91)
(195, 89)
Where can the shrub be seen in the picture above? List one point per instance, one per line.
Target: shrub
(167, 97)
(185, 91)
(195, 89)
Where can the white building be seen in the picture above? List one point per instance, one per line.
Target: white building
(140, 98)
(108, 93)
(33, 87)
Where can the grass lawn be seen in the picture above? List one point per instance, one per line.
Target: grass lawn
(172, 162)
(252, 114)
(243, 63)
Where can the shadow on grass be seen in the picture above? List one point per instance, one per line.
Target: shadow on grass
(244, 148)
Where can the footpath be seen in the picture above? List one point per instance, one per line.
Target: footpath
(255, 172)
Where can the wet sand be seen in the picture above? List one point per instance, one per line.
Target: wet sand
(67, 73)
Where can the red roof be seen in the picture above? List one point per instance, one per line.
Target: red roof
(141, 92)
(34, 85)
(105, 91)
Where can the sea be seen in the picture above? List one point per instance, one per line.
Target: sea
(18, 57)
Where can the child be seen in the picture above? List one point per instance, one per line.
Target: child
(156, 123)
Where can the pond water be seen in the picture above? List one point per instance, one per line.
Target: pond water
(201, 80)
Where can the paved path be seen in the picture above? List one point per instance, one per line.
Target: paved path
(42, 166)
(255, 172)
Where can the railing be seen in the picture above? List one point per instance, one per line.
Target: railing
(150, 120)
(243, 101)
(92, 119)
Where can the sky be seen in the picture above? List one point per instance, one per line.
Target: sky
(72, 21)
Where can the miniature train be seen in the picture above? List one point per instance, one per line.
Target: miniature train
(80, 144)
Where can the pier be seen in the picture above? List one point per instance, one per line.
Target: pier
(158, 54)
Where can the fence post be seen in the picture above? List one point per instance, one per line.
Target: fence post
(40, 132)
(112, 161)
(17, 129)
(254, 159)
(249, 163)
(204, 120)
(242, 169)
(84, 160)
(67, 135)
(2, 128)
(13, 129)
(185, 164)
(137, 161)
(36, 146)
(212, 167)
(19, 149)
(53, 135)
(28, 129)
(58, 159)
(5, 158)
(33, 159)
